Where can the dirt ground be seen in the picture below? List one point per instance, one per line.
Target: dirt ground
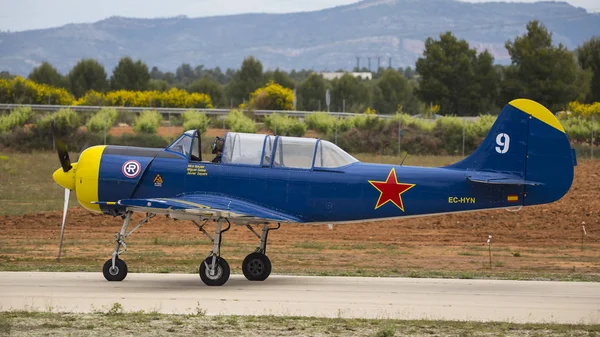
(541, 242)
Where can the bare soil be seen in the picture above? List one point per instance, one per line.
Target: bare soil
(535, 243)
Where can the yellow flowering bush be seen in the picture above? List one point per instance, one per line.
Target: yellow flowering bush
(22, 91)
(272, 97)
(174, 98)
(584, 110)
(370, 111)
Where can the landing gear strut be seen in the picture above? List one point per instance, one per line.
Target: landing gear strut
(214, 270)
(115, 269)
(257, 266)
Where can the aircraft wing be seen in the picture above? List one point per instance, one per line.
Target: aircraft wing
(208, 206)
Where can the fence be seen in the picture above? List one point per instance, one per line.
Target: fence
(400, 137)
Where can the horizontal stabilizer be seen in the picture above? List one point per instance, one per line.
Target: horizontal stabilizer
(500, 179)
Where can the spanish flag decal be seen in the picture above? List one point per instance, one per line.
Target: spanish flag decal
(513, 198)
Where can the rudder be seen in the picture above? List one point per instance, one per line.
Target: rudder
(528, 142)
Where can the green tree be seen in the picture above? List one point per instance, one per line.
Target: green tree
(45, 73)
(185, 74)
(589, 59)
(487, 83)
(541, 71)
(246, 80)
(158, 85)
(210, 87)
(88, 74)
(6, 75)
(390, 91)
(449, 79)
(129, 75)
(311, 93)
(349, 93)
(280, 77)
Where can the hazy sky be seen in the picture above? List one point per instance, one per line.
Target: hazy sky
(16, 15)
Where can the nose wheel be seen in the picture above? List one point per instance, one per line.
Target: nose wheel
(115, 269)
(256, 267)
(116, 273)
(214, 270)
(214, 274)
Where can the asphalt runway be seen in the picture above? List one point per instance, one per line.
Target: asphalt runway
(349, 297)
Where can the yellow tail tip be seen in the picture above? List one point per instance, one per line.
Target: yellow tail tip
(537, 111)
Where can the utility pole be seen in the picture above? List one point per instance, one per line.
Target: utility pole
(369, 62)
(389, 62)
(358, 63)
(378, 63)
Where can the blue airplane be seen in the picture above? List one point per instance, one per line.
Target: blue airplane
(259, 179)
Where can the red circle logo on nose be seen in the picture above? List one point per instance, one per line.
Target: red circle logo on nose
(131, 168)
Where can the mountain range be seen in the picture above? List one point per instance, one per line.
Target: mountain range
(330, 39)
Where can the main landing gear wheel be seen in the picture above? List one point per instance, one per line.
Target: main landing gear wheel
(256, 267)
(216, 277)
(116, 273)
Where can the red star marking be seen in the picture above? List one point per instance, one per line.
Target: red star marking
(391, 190)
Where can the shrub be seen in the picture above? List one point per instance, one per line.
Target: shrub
(142, 140)
(64, 122)
(579, 129)
(17, 118)
(284, 125)
(195, 120)
(22, 91)
(92, 98)
(105, 118)
(370, 111)
(238, 122)
(449, 130)
(174, 98)
(272, 97)
(23, 140)
(320, 121)
(584, 110)
(147, 122)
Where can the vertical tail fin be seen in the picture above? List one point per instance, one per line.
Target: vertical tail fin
(527, 141)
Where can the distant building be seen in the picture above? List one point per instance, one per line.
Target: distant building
(332, 75)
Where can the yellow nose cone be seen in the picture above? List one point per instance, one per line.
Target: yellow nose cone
(65, 179)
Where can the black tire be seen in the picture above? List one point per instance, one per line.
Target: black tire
(118, 273)
(256, 267)
(221, 276)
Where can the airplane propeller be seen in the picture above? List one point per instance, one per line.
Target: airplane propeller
(64, 219)
(65, 162)
(63, 154)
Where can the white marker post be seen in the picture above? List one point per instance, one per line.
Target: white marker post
(583, 233)
(489, 242)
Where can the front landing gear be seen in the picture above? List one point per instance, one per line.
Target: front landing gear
(116, 272)
(257, 266)
(115, 269)
(214, 270)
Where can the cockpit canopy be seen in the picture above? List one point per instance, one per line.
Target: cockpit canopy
(269, 151)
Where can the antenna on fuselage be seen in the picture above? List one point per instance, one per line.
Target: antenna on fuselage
(402, 162)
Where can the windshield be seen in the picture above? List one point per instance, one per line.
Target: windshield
(181, 145)
(331, 156)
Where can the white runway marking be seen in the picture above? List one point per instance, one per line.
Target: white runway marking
(351, 297)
